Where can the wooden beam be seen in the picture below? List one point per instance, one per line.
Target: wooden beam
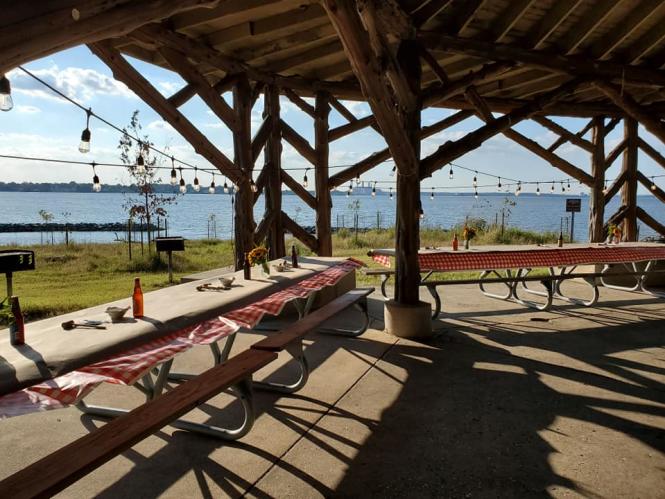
(613, 189)
(596, 196)
(616, 218)
(641, 47)
(298, 142)
(321, 173)
(427, 11)
(541, 31)
(434, 65)
(587, 24)
(436, 93)
(299, 102)
(272, 158)
(460, 18)
(452, 150)
(264, 226)
(650, 221)
(653, 189)
(344, 17)
(650, 151)
(47, 30)
(578, 66)
(559, 130)
(348, 115)
(629, 170)
(297, 188)
(242, 148)
(353, 126)
(615, 153)
(178, 61)
(562, 140)
(611, 125)
(299, 233)
(124, 72)
(502, 25)
(632, 108)
(261, 136)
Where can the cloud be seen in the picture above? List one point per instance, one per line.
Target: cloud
(159, 125)
(168, 88)
(27, 109)
(79, 84)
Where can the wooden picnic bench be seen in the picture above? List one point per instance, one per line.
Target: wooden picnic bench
(65, 466)
(290, 338)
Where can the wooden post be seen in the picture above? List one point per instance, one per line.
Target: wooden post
(407, 241)
(273, 167)
(629, 189)
(242, 147)
(597, 196)
(323, 198)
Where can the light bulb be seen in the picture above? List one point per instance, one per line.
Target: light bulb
(351, 188)
(252, 185)
(6, 101)
(140, 164)
(374, 190)
(304, 181)
(552, 188)
(431, 196)
(358, 180)
(392, 172)
(475, 180)
(538, 189)
(499, 184)
(196, 186)
(563, 189)
(211, 189)
(391, 193)
(84, 145)
(174, 177)
(226, 187)
(475, 193)
(653, 185)
(183, 187)
(96, 185)
(421, 213)
(450, 174)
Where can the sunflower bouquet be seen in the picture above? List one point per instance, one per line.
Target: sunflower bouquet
(467, 234)
(259, 256)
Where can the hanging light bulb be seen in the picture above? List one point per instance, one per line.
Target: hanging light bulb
(197, 186)
(211, 189)
(140, 161)
(563, 189)
(84, 145)
(518, 191)
(475, 180)
(96, 184)
(475, 192)
(537, 188)
(374, 190)
(350, 187)
(6, 101)
(304, 179)
(358, 179)
(552, 188)
(568, 185)
(605, 188)
(450, 173)
(421, 213)
(226, 187)
(653, 185)
(499, 184)
(183, 186)
(431, 196)
(390, 192)
(252, 185)
(174, 175)
(392, 172)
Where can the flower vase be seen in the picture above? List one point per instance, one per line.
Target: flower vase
(265, 270)
(466, 244)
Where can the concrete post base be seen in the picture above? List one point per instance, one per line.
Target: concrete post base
(408, 321)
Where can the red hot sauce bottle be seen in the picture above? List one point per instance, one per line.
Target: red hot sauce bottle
(137, 299)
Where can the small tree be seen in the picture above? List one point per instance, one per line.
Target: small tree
(46, 218)
(148, 203)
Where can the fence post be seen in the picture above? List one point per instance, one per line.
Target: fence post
(129, 237)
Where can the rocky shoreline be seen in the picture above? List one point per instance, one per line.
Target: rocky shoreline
(71, 227)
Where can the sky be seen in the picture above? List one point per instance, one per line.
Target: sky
(44, 125)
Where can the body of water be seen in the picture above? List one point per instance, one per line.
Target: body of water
(189, 217)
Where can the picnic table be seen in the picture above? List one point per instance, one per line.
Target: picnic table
(56, 368)
(513, 266)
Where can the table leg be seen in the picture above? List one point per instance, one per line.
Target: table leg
(296, 351)
(362, 307)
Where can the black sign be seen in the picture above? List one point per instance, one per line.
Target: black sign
(15, 260)
(574, 205)
(170, 243)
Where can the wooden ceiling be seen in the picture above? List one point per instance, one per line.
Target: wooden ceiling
(538, 45)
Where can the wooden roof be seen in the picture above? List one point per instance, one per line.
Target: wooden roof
(623, 40)
(511, 50)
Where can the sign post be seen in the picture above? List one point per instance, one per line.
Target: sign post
(573, 205)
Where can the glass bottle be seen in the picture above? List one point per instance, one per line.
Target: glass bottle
(294, 257)
(246, 268)
(17, 328)
(455, 242)
(137, 299)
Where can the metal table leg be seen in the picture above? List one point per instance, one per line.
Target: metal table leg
(296, 351)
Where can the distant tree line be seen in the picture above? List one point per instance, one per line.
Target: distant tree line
(79, 187)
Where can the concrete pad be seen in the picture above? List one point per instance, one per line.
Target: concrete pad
(503, 401)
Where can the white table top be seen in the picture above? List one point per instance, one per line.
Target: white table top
(50, 351)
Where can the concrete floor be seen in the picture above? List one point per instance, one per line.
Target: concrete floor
(503, 402)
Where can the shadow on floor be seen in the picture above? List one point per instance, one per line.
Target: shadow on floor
(468, 420)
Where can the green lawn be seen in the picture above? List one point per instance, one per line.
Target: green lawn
(77, 276)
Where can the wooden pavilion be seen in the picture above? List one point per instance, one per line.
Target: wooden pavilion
(525, 59)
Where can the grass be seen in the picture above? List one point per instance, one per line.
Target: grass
(77, 276)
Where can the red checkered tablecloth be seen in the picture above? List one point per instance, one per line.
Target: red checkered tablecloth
(130, 366)
(530, 258)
